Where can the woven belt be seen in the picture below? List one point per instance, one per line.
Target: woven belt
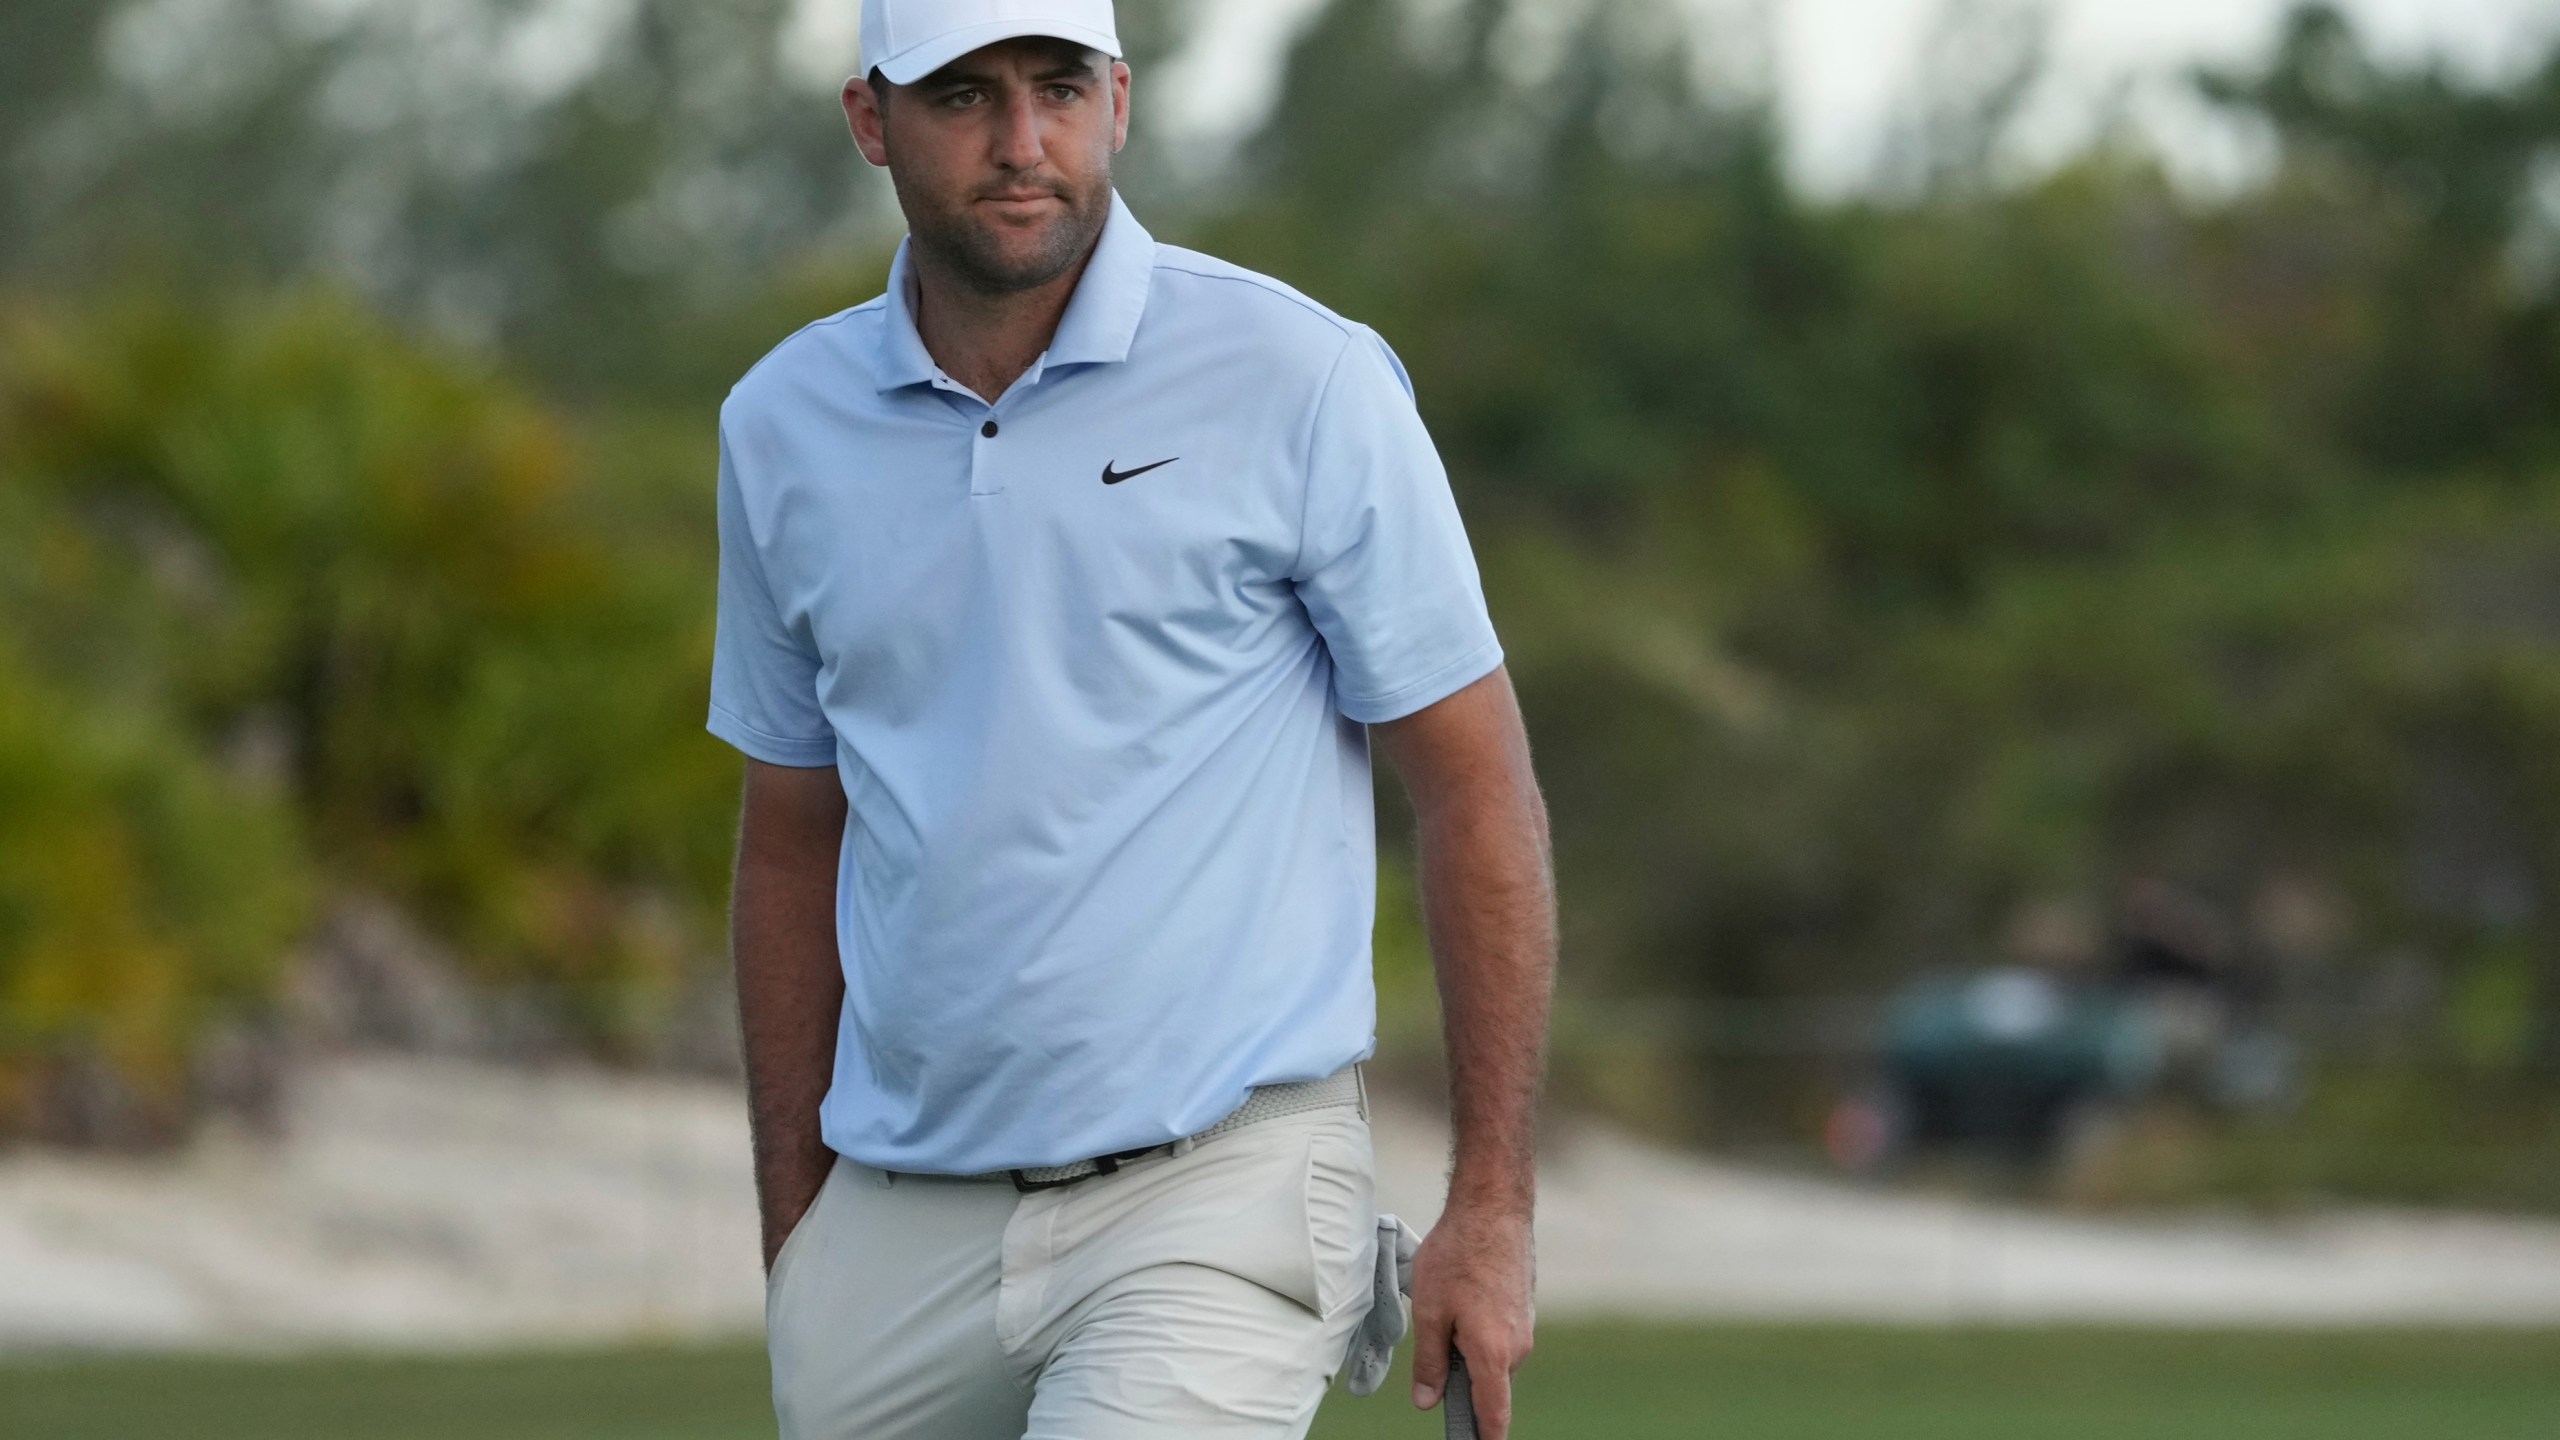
(1344, 1087)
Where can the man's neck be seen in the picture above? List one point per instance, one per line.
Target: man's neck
(986, 341)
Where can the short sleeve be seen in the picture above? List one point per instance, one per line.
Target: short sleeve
(764, 671)
(1384, 568)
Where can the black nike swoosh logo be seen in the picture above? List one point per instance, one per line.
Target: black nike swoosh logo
(1114, 477)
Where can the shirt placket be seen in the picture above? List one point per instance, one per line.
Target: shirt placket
(986, 477)
(985, 429)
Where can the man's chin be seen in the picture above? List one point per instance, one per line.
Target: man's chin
(1020, 257)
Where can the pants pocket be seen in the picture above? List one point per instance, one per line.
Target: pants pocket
(792, 1243)
(1342, 1215)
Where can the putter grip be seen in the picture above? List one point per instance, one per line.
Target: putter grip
(1458, 1406)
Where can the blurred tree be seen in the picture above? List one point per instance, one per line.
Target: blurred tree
(2445, 172)
(307, 541)
(575, 184)
(1751, 475)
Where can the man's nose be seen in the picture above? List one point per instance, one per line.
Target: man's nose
(1017, 138)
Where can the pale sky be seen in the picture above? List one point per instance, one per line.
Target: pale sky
(1845, 67)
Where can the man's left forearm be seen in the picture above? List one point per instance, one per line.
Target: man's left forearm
(1488, 900)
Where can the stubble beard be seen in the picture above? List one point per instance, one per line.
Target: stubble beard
(972, 252)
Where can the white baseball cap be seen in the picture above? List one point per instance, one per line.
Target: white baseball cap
(906, 40)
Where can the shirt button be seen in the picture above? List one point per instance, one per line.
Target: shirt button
(988, 429)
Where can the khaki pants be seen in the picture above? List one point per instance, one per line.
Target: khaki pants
(1209, 1293)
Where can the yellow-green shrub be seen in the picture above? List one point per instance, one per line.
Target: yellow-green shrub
(142, 895)
(469, 662)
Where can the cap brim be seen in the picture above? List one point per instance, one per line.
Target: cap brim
(941, 50)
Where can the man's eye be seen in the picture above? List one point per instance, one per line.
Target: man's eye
(1063, 94)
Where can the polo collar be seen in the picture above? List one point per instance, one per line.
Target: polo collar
(1100, 322)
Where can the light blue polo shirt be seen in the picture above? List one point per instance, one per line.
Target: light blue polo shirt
(1093, 664)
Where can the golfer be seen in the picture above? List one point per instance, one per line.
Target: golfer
(1062, 590)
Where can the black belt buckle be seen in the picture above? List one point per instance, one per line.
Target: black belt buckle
(1102, 1165)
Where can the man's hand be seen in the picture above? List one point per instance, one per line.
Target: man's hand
(1472, 1284)
(1488, 904)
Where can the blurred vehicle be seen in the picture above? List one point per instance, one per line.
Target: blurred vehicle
(2030, 1066)
(2006, 1061)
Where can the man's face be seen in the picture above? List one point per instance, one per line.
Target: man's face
(1002, 158)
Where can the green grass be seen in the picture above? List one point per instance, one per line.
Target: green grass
(1619, 1382)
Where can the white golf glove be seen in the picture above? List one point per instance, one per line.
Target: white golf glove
(1373, 1344)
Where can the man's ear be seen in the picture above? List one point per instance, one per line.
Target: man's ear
(1119, 104)
(862, 116)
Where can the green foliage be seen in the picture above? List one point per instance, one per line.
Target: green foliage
(2243, 702)
(1605, 287)
(1874, 574)
(144, 895)
(2458, 364)
(580, 187)
(301, 544)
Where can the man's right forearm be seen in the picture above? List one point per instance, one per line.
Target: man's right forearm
(790, 985)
